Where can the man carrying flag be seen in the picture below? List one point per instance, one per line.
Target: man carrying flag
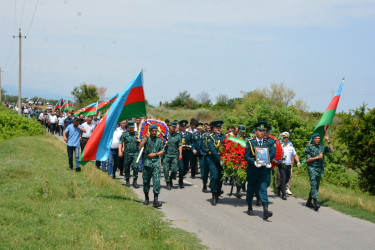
(316, 150)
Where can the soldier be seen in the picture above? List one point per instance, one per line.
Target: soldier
(241, 135)
(256, 173)
(196, 150)
(153, 149)
(315, 166)
(204, 167)
(213, 142)
(173, 154)
(128, 148)
(186, 141)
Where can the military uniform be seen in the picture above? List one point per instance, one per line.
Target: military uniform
(213, 143)
(130, 142)
(186, 140)
(315, 170)
(196, 145)
(170, 162)
(257, 177)
(204, 167)
(241, 129)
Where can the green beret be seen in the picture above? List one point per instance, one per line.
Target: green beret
(315, 135)
(131, 124)
(153, 126)
(241, 128)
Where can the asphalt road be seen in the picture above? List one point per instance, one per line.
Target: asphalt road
(227, 226)
(293, 225)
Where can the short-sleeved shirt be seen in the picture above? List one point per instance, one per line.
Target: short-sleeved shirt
(68, 121)
(89, 129)
(131, 143)
(152, 145)
(116, 137)
(315, 150)
(289, 153)
(52, 118)
(61, 120)
(73, 135)
(174, 142)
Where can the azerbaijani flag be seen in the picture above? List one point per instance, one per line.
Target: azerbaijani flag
(57, 106)
(64, 106)
(104, 106)
(327, 118)
(70, 106)
(130, 103)
(88, 110)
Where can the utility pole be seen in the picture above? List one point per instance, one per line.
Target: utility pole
(19, 70)
(0, 84)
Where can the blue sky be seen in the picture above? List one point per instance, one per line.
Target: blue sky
(220, 47)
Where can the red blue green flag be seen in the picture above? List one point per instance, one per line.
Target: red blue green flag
(327, 118)
(88, 110)
(104, 106)
(130, 103)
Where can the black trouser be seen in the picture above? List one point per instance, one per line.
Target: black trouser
(53, 127)
(284, 176)
(61, 130)
(83, 143)
(194, 164)
(184, 163)
(121, 164)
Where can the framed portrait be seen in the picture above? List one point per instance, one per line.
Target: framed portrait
(262, 156)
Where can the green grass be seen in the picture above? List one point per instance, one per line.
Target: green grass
(346, 200)
(44, 205)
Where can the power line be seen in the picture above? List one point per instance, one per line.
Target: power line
(32, 19)
(23, 7)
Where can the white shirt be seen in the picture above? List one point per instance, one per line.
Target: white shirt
(116, 137)
(289, 153)
(61, 120)
(260, 142)
(89, 129)
(52, 118)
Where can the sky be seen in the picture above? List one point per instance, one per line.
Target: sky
(213, 46)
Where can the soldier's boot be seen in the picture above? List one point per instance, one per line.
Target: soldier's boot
(181, 183)
(284, 197)
(309, 203)
(266, 213)
(204, 189)
(213, 201)
(171, 183)
(258, 202)
(218, 201)
(238, 193)
(135, 184)
(147, 200)
(250, 209)
(244, 187)
(168, 187)
(316, 205)
(127, 182)
(156, 203)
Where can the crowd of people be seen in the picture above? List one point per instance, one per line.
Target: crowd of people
(192, 147)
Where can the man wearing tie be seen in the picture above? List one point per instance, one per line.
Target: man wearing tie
(257, 173)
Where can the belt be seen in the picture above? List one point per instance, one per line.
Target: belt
(85, 138)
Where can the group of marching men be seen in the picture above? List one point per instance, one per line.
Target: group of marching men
(185, 147)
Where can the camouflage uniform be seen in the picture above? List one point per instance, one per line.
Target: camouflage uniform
(315, 168)
(130, 153)
(170, 162)
(151, 166)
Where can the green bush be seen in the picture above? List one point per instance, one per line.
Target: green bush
(357, 133)
(11, 125)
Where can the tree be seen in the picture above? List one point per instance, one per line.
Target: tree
(183, 99)
(85, 94)
(204, 99)
(357, 133)
(101, 93)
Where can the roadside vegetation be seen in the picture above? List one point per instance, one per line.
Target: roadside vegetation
(44, 205)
